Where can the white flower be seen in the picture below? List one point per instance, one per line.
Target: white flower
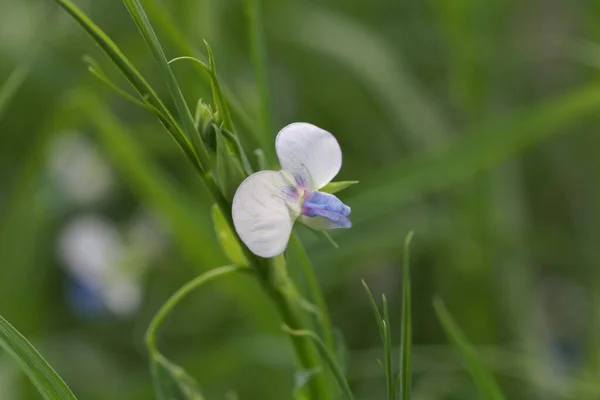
(267, 203)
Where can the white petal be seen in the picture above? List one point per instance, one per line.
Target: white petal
(310, 152)
(264, 210)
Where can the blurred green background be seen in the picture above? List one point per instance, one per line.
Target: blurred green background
(473, 123)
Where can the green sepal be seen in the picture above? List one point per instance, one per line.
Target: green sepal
(227, 239)
(334, 187)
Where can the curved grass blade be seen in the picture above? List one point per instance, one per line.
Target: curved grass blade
(326, 355)
(41, 374)
(485, 382)
(406, 334)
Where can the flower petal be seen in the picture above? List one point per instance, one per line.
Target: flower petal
(310, 153)
(264, 209)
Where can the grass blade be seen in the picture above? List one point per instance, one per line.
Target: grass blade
(387, 350)
(326, 355)
(406, 333)
(485, 382)
(45, 379)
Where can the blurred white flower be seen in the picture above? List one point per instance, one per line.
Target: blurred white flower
(105, 265)
(82, 176)
(267, 203)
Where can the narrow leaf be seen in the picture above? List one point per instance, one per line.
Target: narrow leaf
(231, 247)
(219, 99)
(406, 333)
(334, 187)
(378, 317)
(139, 16)
(387, 350)
(41, 374)
(485, 382)
(326, 355)
(137, 81)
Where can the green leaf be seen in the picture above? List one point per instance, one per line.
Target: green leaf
(334, 187)
(41, 374)
(96, 70)
(327, 356)
(171, 382)
(137, 81)
(141, 20)
(10, 88)
(219, 99)
(406, 332)
(485, 382)
(229, 243)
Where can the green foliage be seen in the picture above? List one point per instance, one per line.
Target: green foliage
(229, 242)
(170, 380)
(403, 378)
(46, 380)
(485, 382)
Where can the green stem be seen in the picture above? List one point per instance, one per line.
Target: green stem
(307, 354)
(258, 49)
(179, 295)
(316, 293)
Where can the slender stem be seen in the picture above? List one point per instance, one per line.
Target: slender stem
(316, 293)
(258, 48)
(307, 354)
(179, 295)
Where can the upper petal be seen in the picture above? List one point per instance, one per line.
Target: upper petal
(309, 153)
(264, 209)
